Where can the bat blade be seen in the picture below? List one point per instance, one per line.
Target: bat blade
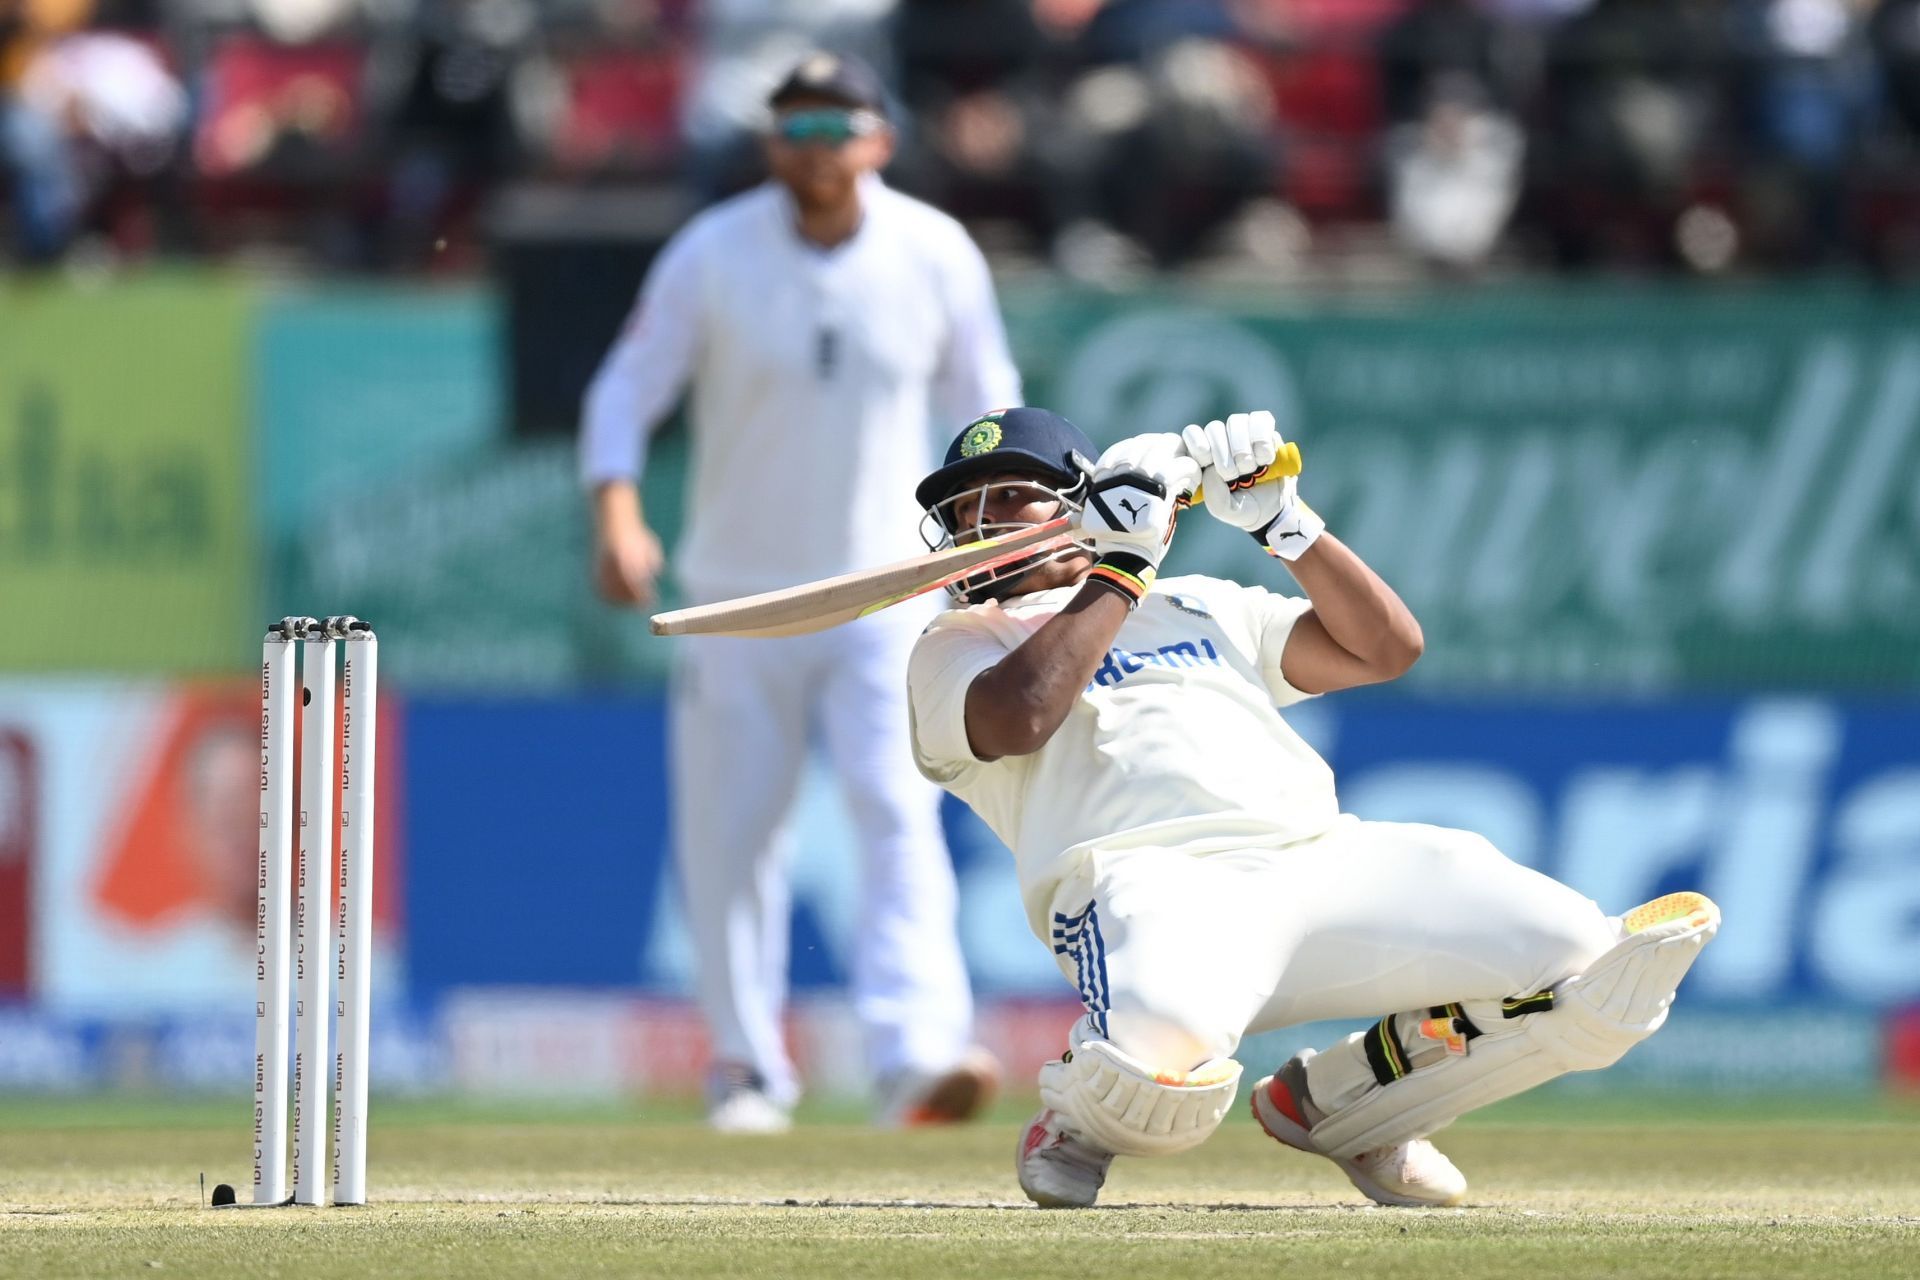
(815, 606)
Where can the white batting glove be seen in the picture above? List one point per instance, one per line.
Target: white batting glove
(1238, 446)
(1273, 513)
(1132, 503)
(1234, 451)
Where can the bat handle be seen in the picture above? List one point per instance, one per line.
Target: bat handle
(1285, 463)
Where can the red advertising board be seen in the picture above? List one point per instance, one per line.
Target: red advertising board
(19, 826)
(1903, 1050)
(128, 819)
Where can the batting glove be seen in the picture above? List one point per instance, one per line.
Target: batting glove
(1238, 446)
(1232, 453)
(1133, 497)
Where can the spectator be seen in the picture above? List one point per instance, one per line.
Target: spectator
(81, 109)
(975, 75)
(1436, 38)
(1135, 31)
(1164, 154)
(947, 49)
(1804, 99)
(1895, 33)
(452, 131)
(35, 154)
(1637, 105)
(1454, 176)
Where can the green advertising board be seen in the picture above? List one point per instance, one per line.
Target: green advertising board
(125, 532)
(1576, 489)
(397, 493)
(1581, 490)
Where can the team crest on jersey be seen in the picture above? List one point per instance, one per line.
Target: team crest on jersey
(1187, 604)
(981, 437)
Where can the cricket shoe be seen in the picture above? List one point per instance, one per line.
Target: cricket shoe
(913, 1098)
(1059, 1170)
(738, 1102)
(1407, 1173)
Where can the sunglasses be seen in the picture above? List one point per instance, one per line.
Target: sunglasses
(827, 125)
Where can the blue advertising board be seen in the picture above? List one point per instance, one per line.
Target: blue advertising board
(537, 836)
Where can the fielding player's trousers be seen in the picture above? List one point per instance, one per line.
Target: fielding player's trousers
(745, 713)
(1177, 956)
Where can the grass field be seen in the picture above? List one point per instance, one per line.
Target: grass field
(1563, 1187)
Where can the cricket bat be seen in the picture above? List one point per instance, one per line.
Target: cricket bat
(815, 606)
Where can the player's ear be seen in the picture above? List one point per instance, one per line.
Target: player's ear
(881, 154)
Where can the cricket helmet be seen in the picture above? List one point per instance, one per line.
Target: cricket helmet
(1030, 441)
(1037, 444)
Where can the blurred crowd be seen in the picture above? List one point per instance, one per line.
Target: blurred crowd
(1101, 137)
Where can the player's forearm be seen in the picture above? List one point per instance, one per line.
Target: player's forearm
(1015, 706)
(1361, 613)
(616, 505)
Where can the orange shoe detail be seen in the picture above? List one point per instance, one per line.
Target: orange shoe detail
(1282, 1098)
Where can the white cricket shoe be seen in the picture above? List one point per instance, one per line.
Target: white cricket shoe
(913, 1099)
(738, 1102)
(1058, 1170)
(1412, 1173)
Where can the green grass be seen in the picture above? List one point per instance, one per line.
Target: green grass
(1564, 1186)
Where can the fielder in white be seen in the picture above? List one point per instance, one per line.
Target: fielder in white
(1181, 849)
(819, 320)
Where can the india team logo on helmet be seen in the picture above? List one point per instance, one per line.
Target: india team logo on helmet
(982, 436)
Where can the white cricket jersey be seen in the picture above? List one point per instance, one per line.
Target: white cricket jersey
(819, 377)
(1176, 743)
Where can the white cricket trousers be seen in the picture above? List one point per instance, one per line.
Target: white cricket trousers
(745, 713)
(1177, 956)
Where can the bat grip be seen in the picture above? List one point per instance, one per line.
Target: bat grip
(1285, 463)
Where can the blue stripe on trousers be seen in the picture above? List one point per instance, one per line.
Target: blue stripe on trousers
(1099, 966)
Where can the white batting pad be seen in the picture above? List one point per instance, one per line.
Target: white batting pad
(1123, 1106)
(1416, 1072)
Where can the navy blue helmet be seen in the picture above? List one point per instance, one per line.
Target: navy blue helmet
(1036, 442)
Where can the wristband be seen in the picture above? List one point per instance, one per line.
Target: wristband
(1290, 533)
(1128, 574)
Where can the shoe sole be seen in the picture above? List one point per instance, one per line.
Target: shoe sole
(1043, 1200)
(1276, 1124)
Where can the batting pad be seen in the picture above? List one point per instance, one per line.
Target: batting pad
(1122, 1106)
(1413, 1073)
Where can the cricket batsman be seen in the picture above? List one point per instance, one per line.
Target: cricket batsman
(1181, 850)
